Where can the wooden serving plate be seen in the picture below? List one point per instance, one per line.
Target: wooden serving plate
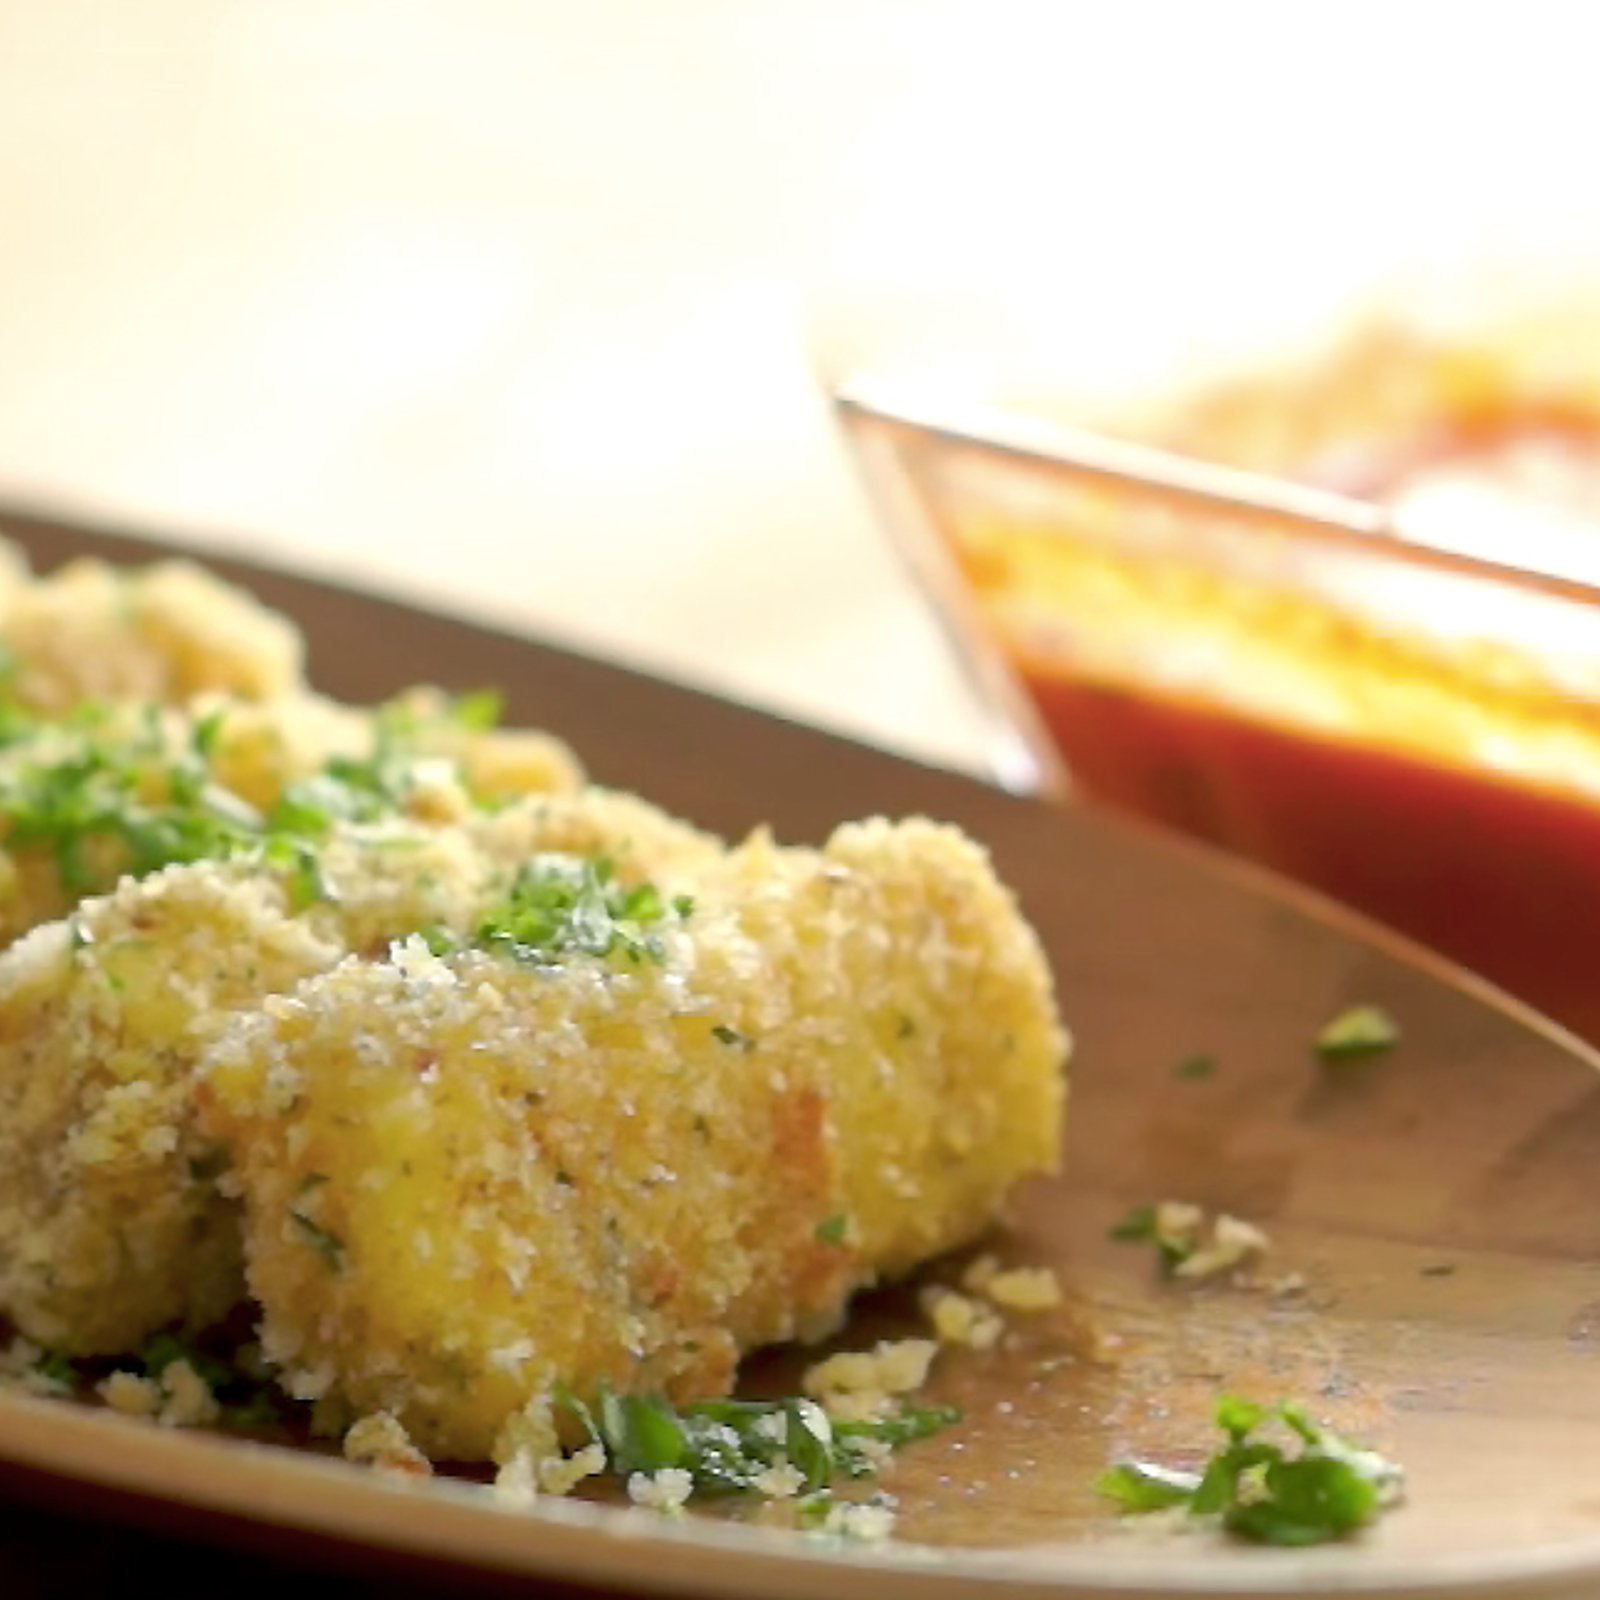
(1442, 1203)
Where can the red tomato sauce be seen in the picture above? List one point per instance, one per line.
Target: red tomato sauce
(1501, 877)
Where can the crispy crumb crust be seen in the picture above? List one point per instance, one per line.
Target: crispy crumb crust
(466, 1180)
(259, 749)
(111, 1223)
(163, 633)
(108, 1210)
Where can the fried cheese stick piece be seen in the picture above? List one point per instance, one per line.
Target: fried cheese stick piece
(470, 1179)
(163, 633)
(172, 634)
(259, 749)
(110, 789)
(111, 1221)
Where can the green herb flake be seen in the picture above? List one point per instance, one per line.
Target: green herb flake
(302, 870)
(327, 1244)
(1139, 1223)
(58, 1369)
(440, 941)
(166, 1348)
(731, 1037)
(107, 802)
(811, 1510)
(1195, 1068)
(1312, 1488)
(1143, 1225)
(1142, 1486)
(247, 1400)
(726, 1446)
(905, 1426)
(1359, 1031)
(256, 1412)
(560, 905)
(832, 1230)
(478, 711)
(206, 733)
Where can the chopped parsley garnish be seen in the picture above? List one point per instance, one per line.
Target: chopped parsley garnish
(568, 905)
(166, 1348)
(326, 1243)
(104, 806)
(258, 1409)
(206, 732)
(58, 1369)
(1137, 1224)
(731, 1037)
(17, 721)
(1193, 1068)
(404, 724)
(106, 800)
(1145, 1225)
(478, 711)
(1310, 1488)
(101, 809)
(832, 1230)
(302, 868)
(727, 1446)
(1143, 1486)
(246, 1402)
(1360, 1031)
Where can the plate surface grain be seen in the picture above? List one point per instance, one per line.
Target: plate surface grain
(1442, 1203)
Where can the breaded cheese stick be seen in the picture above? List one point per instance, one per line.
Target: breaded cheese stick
(133, 787)
(472, 1178)
(440, 769)
(171, 633)
(640, 840)
(111, 1221)
(160, 633)
(496, 763)
(110, 1224)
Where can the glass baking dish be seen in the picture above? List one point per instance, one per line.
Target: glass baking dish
(1338, 619)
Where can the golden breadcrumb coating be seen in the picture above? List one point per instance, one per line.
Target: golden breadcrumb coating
(172, 634)
(968, 969)
(110, 1221)
(260, 748)
(255, 752)
(496, 763)
(641, 840)
(468, 1179)
(162, 633)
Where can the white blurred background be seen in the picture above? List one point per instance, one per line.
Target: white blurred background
(515, 306)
